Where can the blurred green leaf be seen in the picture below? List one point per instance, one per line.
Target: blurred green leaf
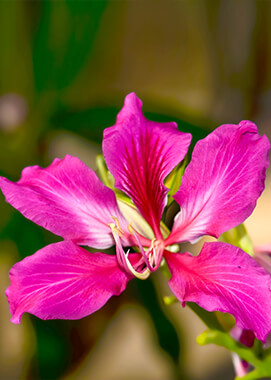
(28, 236)
(64, 41)
(262, 365)
(170, 300)
(209, 318)
(174, 180)
(54, 352)
(15, 52)
(239, 237)
(167, 336)
(253, 375)
(16, 80)
(103, 171)
(91, 123)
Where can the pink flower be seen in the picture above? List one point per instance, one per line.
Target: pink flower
(219, 190)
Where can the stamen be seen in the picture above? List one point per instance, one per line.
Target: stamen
(122, 257)
(141, 275)
(119, 249)
(118, 224)
(153, 255)
(116, 229)
(145, 257)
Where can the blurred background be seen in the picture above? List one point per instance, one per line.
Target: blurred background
(65, 67)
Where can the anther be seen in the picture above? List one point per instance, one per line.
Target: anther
(117, 223)
(116, 227)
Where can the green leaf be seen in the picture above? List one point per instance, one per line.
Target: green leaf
(239, 237)
(253, 375)
(209, 318)
(104, 173)
(64, 41)
(167, 335)
(89, 123)
(170, 300)
(28, 236)
(54, 351)
(262, 365)
(15, 50)
(174, 180)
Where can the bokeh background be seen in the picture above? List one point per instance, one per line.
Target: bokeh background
(65, 67)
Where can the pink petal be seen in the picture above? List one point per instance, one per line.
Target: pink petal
(222, 183)
(63, 281)
(224, 278)
(67, 199)
(140, 153)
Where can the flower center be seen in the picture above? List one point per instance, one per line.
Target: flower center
(139, 264)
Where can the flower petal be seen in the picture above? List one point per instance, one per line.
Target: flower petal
(67, 199)
(63, 281)
(222, 183)
(224, 278)
(140, 153)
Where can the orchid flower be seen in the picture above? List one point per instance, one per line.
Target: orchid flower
(219, 190)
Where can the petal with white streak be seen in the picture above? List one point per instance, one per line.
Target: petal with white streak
(67, 199)
(140, 154)
(222, 182)
(224, 278)
(63, 281)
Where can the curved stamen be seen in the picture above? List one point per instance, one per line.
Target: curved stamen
(117, 232)
(141, 275)
(123, 258)
(118, 225)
